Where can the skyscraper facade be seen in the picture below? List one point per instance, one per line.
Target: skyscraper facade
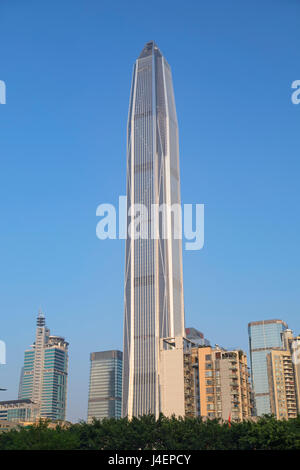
(264, 336)
(105, 389)
(154, 306)
(45, 373)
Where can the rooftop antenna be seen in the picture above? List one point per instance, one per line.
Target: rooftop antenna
(40, 314)
(40, 318)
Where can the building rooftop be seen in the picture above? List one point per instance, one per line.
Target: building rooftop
(112, 354)
(25, 401)
(266, 322)
(149, 49)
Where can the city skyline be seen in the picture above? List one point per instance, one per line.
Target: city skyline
(62, 148)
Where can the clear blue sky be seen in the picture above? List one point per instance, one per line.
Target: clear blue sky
(67, 66)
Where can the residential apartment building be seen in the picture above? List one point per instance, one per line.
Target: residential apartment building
(204, 381)
(283, 375)
(282, 386)
(223, 384)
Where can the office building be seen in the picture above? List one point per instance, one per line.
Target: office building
(196, 337)
(264, 336)
(18, 411)
(45, 373)
(105, 389)
(154, 306)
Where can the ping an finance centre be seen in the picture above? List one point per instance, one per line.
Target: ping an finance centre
(154, 304)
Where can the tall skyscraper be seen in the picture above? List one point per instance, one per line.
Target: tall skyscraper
(45, 373)
(264, 336)
(154, 306)
(105, 390)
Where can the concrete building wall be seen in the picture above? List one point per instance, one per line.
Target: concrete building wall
(176, 377)
(225, 380)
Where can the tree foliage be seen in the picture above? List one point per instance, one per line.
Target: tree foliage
(147, 433)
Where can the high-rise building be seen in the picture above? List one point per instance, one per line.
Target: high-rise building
(283, 375)
(292, 344)
(154, 306)
(45, 373)
(105, 390)
(282, 384)
(223, 384)
(196, 337)
(264, 336)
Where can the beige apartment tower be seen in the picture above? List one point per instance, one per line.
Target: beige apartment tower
(224, 387)
(283, 366)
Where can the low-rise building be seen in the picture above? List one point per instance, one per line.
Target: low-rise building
(18, 410)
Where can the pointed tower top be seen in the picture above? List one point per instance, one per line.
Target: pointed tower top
(150, 48)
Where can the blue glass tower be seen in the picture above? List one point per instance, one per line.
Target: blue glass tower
(264, 336)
